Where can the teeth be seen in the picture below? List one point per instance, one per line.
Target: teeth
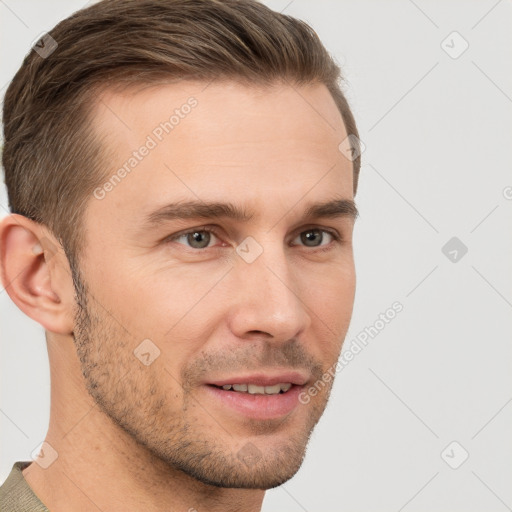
(272, 390)
(253, 389)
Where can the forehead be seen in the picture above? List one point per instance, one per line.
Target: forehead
(191, 140)
(218, 112)
(223, 97)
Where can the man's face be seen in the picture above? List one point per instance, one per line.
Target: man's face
(264, 301)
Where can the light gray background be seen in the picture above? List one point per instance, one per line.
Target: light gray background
(437, 164)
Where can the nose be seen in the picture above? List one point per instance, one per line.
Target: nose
(266, 298)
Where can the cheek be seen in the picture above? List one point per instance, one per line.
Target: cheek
(331, 290)
(160, 303)
(177, 310)
(331, 303)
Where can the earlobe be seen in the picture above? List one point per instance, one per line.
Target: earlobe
(32, 273)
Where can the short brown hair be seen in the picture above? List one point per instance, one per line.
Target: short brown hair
(52, 158)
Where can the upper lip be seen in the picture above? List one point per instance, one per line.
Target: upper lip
(263, 378)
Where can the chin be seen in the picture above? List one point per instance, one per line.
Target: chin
(245, 478)
(255, 466)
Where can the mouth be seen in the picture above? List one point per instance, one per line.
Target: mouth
(254, 389)
(258, 396)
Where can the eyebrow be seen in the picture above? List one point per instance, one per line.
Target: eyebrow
(335, 208)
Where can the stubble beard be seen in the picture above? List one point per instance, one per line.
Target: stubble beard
(136, 402)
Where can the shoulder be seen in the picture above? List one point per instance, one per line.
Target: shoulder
(15, 493)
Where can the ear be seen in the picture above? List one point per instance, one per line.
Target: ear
(36, 274)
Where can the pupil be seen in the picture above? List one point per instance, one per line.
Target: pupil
(310, 236)
(202, 238)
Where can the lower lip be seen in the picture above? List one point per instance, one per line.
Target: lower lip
(259, 407)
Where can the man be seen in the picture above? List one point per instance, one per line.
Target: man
(181, 176)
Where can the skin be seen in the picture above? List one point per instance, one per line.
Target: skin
(130, 435)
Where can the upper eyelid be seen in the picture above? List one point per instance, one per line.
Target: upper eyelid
(215, 230)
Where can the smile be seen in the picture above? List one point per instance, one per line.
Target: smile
(264, 395)
(254, 389)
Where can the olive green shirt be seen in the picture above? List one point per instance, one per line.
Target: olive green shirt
(15, 493)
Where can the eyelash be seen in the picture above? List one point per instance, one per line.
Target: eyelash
(206, 229)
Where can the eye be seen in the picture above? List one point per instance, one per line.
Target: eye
(200, 238)
(315, 236)
(196, 238)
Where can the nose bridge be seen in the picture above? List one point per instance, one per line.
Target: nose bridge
(269, 299)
